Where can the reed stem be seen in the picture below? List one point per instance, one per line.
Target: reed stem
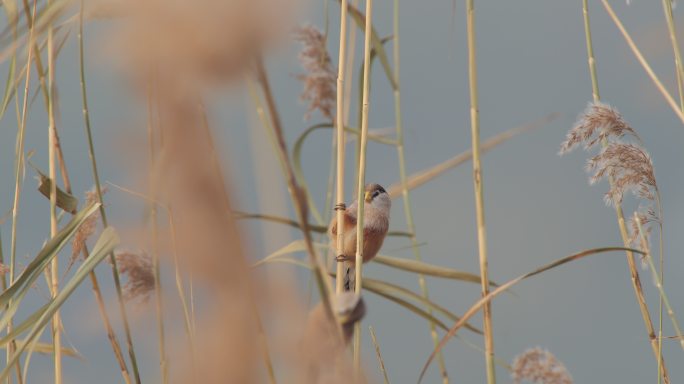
(479, 195)
(360, 185)
(52, 143)
(340, 206)
(408, 211)
(634, 273)
(155, 238)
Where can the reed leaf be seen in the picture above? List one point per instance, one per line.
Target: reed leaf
(65, 201)
(429, 269)
(481, 303)
(422, 177)
(47, 349)
(104, 245)
(23, 284)
(385, 289)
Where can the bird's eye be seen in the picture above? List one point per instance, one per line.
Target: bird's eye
(375, 194)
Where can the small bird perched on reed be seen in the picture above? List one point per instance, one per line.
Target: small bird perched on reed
(376, 217)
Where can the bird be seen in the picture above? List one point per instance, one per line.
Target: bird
(376, 216)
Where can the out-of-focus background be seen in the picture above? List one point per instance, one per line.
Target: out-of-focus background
(532, 61)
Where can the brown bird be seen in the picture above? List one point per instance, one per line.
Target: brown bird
(376, 217)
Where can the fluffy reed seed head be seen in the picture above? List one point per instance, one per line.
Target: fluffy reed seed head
(320, 78)
(646, 217)
(86, 229)
(599, 121)
(138, 269)
(630, 168)
(539, 366)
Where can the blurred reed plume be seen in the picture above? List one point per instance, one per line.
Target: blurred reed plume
(539, 366)
(87, 229)
(198, 40)
(320, 77)
(3, 269)
(137, 267)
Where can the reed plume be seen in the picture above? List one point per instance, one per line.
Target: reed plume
(137, 267)
(539, 366)
(320, 77)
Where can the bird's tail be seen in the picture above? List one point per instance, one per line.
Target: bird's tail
(349, 276)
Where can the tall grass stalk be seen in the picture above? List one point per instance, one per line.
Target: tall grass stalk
(340, 206)
(52, 143)
(408, 211)
(634, 273)
(275, 128)
(105, 224)
(637, 53)
(18, 170)
(659, 283)
(155, 236)
(679, 68)
(479, 195)
(679, 71)
(379, 356)
(358, 265)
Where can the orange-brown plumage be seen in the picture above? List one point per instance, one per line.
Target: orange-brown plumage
(376, 223)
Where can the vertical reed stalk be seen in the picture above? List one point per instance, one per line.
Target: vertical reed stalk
(634, 273)
(54, 265)
(18, 170)
(155, 239)
(103, 217)
(360, 185)
(679, 68)
(404, 185)
(116, 347)
(479, 198)
(340, 207)
(349, 68)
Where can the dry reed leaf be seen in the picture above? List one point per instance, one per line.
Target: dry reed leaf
(539, 366)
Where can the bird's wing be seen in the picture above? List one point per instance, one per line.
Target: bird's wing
(349, 222)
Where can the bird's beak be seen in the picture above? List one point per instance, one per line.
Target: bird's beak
(368, 197)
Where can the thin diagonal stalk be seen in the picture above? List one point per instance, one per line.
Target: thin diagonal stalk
(679, 68)
(479, 195)
(340, 206)
(634, 273)
(111, 335)
(103, 214)
(18, 170)
(377, 353)
(659, 283)
(408, 212)
(54, 265)
(155, 238)
(360, 185)
(637, 53)
(274, 125)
